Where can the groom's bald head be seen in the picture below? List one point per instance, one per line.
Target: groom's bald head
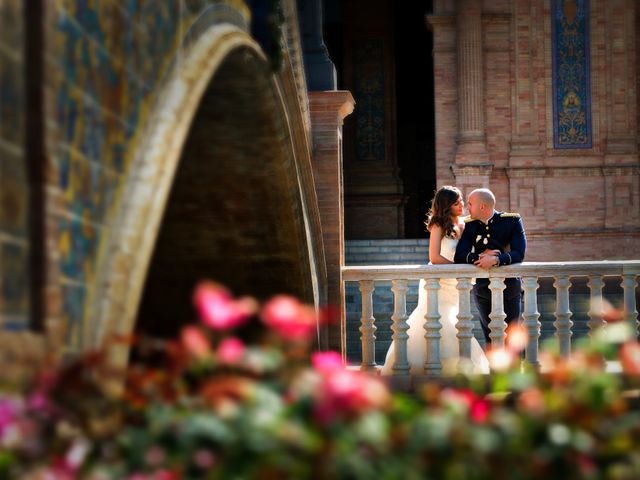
(484, 196)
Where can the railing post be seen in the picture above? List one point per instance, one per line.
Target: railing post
(464, 324)
(367, 327)
(595, 304)
(531, 316)
(432, 365)
(400, 327)
(630, 312)
(497, 324)
(563, 321)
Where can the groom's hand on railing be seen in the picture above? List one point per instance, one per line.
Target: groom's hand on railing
(488, 259)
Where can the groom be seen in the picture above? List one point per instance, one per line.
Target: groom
(491, 239)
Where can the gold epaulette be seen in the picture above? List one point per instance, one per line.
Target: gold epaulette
(468, 219)
(509, 214)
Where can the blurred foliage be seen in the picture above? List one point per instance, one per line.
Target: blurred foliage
(210, 406)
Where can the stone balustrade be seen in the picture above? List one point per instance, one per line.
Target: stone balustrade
(530, 272)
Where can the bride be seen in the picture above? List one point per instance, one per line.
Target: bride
(445, 225)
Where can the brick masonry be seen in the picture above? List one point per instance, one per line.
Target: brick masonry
(577, 204)
(328, 110)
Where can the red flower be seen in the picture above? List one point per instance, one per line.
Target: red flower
(326, 362)
(344, 393)
(289, 318)
(477, 407)
(219, 310)
(231, 350)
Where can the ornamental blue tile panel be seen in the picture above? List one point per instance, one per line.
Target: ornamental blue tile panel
(88, 187)
(106, 62)
(571, 74)
(73, 305)
(77, 245)
(369, 97)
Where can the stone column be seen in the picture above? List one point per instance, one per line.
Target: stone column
(471, 167)
(471, 147)
(328, 110)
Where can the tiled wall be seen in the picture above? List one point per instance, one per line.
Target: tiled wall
(14, 295)
(105, 61)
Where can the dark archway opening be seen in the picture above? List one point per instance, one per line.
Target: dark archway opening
(413, 111)
(234, 213)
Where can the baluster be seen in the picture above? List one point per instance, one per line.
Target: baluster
(367, 327)
(629, 308)
(400, 327)
(531, 316)
(464, 324)
(497, 324)
(595, 304)
(563, 321)
(432, 365)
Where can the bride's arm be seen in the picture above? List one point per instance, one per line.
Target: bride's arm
(435, 242)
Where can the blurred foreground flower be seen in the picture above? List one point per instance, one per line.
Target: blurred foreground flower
(289, 318)
(219, 310)
(231, 401)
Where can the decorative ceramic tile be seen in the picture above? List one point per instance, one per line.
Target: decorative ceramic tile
(369, 96)
(88, 187)
(571, 74)
(73, 305)
(77, 244)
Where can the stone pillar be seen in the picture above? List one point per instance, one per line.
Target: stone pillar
(328, 110)
(320, 71)
(471, 148)
(471, 167)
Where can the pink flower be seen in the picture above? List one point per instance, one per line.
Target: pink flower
(219, 310)
(476, 407)
(231, 350)
(480, 410)
(204, 459)
(9, 410)
(155, 456)
(326, 362)
(196, 342)
(344, 392)
(289, 318)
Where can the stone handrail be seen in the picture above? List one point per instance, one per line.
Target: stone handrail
(530, 272)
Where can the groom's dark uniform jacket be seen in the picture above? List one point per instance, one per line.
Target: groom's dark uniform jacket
(504, 232)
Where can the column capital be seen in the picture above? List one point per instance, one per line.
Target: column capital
(340, 102)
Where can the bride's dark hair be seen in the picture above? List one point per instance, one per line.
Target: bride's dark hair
(440, 212)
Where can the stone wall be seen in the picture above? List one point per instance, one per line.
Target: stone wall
(577, 204)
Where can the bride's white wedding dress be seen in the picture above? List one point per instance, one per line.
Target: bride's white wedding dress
(448, 308)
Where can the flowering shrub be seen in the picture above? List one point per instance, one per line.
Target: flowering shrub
(242, 396)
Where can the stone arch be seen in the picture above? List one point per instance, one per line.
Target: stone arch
(223, 91)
